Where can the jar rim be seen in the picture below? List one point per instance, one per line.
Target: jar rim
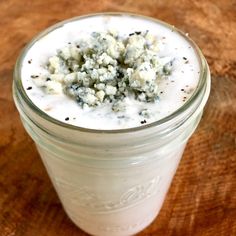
(201, 82)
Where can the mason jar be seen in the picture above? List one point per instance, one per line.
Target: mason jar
(112, 182)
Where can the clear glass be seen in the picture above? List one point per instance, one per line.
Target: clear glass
(112, 182)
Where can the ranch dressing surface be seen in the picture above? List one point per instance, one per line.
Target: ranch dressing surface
(174, 87)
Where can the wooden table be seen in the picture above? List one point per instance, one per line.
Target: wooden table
(202, 197)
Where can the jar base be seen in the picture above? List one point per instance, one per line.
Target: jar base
(96, 229)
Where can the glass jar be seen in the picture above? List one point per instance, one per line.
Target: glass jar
(112, 182)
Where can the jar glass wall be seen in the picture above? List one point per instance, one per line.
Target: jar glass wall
(112, 182)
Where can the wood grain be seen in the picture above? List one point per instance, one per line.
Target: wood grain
(202, 197)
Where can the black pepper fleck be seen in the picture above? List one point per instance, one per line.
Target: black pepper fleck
(34, 76)
(67, 118)
(48, 79)
(182, 89)
(29, 88)
(29, 61)
(77, 46)
(121, 117)
(143, 122)
(185, 58)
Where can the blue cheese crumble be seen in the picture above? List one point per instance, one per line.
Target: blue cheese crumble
(107, 68)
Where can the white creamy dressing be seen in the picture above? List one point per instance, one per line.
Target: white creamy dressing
(184, 76)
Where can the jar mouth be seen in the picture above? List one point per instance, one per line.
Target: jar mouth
(200, 86)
